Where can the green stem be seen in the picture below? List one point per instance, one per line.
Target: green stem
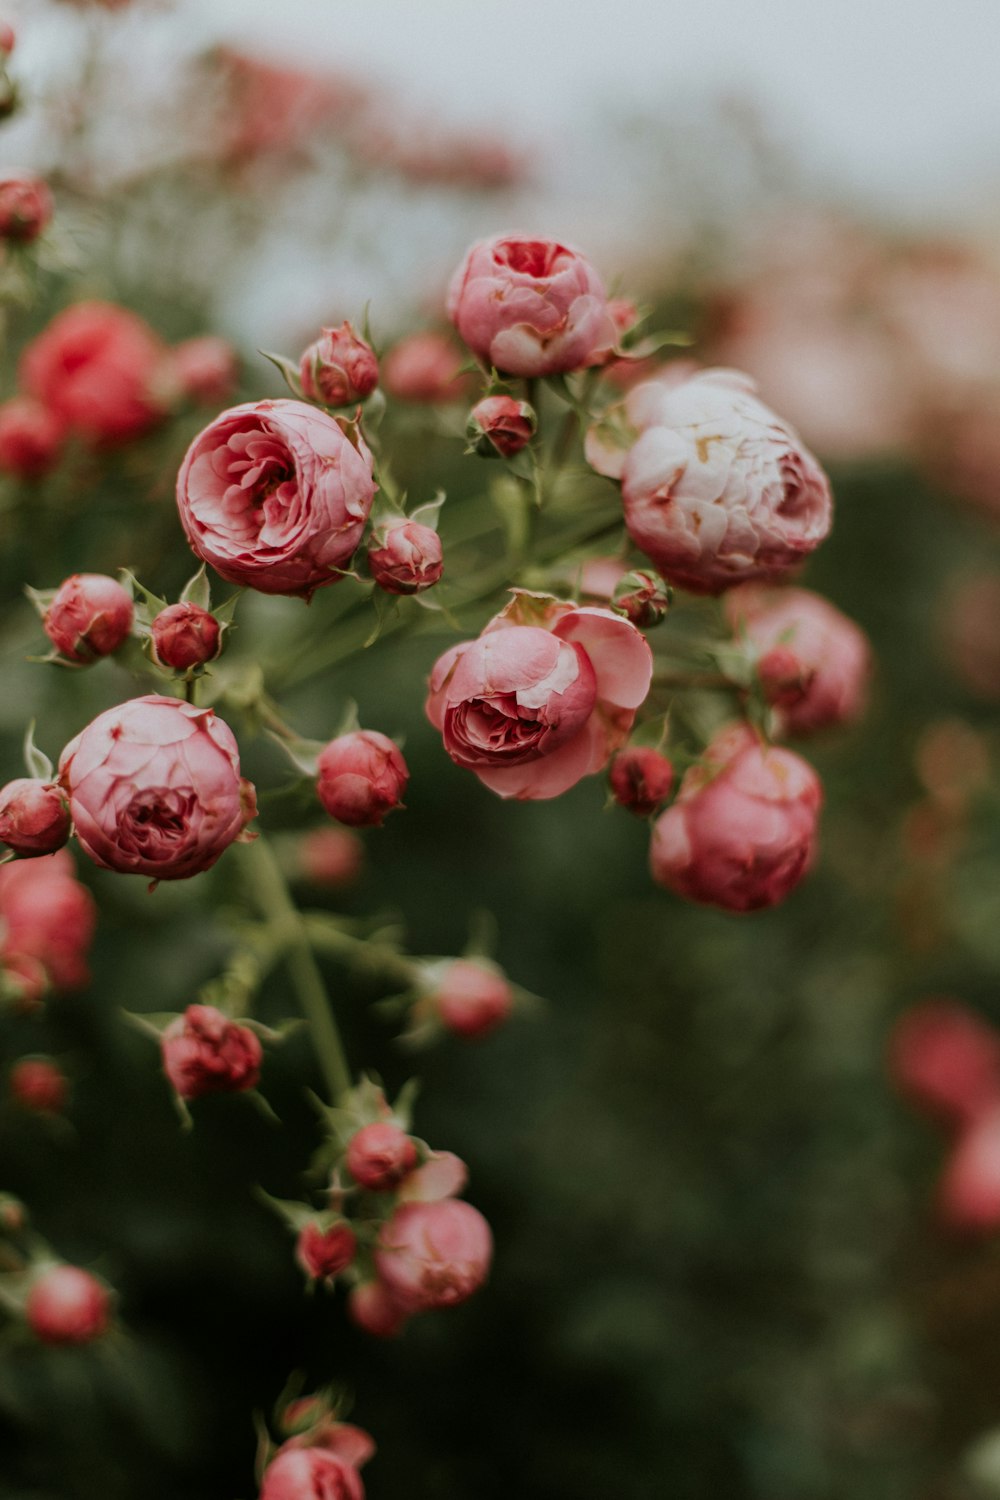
(274, 902)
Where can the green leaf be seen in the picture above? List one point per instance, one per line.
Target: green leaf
(288, 370)
(197, 590)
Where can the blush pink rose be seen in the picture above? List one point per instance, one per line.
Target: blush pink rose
(339, 368)
(311, 1474)
(48, 920)
(204, 1052)
(500, 425)
(362, 778)
(67, 1305)
(379, 1156)
(34, 817)
(96, 366)
(154, 788)
(544, 697)
(472, 998)
(947, 1062)
(405, 557)
(184, 636)
(742, 832)
(529, 306)
(31, 438)
(718, 490)
(432, 1255)
(814, 662)
(274, 496)
(90, 616)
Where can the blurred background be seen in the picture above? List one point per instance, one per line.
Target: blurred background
(722, 1266)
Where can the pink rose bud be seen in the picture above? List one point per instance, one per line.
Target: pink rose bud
(969, 1192)
(204, 1052)
(339, 369)
(155, 789)
(372, 1308)
(90, 616)
(34, 817)
(323, 1252)
(405, 557)
(434, 1254)
(499, 424)
(67, 1306)
(529, 307)
(742, 832)
(472, 998)
(362, 777)
(643, 598)
(47, 920)
(204, 370)
(946, 1061)
(533, 707)
(274, 496)
(185, 636)
(96, 367)
(311, 1474)
(814, 663)
(641, 779)
(379, 1156)
(425, 368)
(39, 1084)
(7, 38)
(717, 489)
(26, 207)
(331, 857)
(31, 438)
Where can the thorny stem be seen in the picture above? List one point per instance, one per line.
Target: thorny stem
(274, 901)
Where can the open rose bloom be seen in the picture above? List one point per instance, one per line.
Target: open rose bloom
(544, 697)
(154, 788)
(274, 496)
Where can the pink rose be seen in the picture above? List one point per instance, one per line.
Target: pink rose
(154, 788)
(67, 1306)
(95, 366)
(203, 369)
(379, 1156)
(718, 490)
(946, 1061)
(499, 424)
(204, 1052)
(90, 616)
(185, 636)
(34, 817)
(339, 368)
(472, 998)
(434, 1254)
(641, 779)
(405, 557)
(39, 1084)
(542, 698)
(814, 663)
(742, 832)
(323, 1251)
(48, 921)
(26, 207)
(311, 1474)
(425, 368)
(362, 777)
(969, 1192)
(643, 598)
(331, 856)
(275, 496)
(529, 307)
(372, 1308)
(31, 438)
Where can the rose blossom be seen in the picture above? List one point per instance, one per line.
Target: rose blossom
(373, 1309)
(426, 368)
(405, 557)
(204, 1052)
(946, 1061)
(969, 1192)
(95, 366)
(379, 1156)
(542, 698)
(362, 777)
(324, 1251)
(204, 369)
(499, 424)
(90, 616)
(814, 663)
(184, 636)
(34, 817)
(472, 998)
(67, 1306)
(641, 779)
(275, 496)
(742, 832)
(37, 1083)
(529, 307)
(154, 788)
(31, 438)
(339, 368)
(434, 1254)
(311, 1474)
(26, 207)
(48, 921)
